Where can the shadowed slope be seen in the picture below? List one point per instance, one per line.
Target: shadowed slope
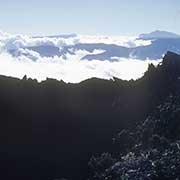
(51, 129)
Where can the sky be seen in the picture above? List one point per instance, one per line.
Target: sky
(90, 17)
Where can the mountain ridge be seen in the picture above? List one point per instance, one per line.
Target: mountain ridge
(65, 124)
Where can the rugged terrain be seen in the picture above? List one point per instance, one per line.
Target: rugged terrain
(51, 129)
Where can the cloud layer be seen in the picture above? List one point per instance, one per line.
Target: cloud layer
(73, 69)
(10, 41)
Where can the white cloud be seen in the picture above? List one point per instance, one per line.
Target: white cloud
(126, 41)
(73, 69)
(9, 41)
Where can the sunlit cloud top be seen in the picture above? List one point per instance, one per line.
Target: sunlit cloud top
(17, 60)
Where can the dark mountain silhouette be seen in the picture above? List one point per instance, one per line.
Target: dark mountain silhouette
(50, 130)
(152, 149)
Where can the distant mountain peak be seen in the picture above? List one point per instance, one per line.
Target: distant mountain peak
(158, 35)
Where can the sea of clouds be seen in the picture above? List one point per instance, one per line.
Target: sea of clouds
(72, 69)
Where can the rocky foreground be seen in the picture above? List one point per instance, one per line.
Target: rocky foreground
(152, 150)
(52, 129)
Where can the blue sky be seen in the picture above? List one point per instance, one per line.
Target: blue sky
(93, 17)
